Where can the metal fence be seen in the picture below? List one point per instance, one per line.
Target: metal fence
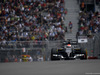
(93, 45)
(42, 49)
(36, 49)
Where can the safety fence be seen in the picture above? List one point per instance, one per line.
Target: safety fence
(37, 50)
(93, 46)
(41, 50)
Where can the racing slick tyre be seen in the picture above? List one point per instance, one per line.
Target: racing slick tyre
(85, 55)
(54, 51)
(81, 51)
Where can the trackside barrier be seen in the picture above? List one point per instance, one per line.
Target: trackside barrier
(41, 50)
(38, 50)
(92, 46)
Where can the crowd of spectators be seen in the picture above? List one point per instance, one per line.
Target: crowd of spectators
(89, 23)
(26, 20)
(97, 2)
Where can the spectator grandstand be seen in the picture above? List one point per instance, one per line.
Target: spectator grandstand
(26, 20)
(33, 27)
(89, 22)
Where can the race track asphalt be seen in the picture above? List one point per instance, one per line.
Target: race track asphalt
(68, 67)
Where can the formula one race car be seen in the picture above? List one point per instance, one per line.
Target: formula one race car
(70, 50)
(26, 58)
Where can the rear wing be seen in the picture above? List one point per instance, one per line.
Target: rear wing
(70, 42)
